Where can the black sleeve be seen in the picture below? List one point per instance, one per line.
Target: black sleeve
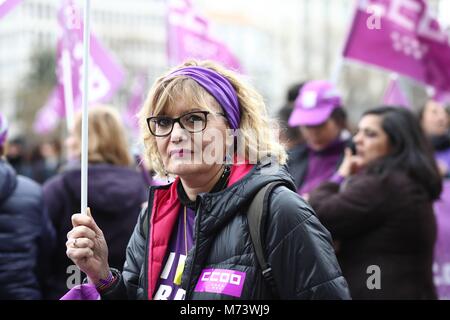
(300, 251)
(352, 209)
(127, 283)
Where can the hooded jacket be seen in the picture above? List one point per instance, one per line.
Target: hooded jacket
(26, 234)
(297, 246)
(115, 197)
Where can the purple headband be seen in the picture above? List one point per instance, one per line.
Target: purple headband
(218, 86)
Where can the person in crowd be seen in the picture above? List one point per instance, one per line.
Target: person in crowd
(116, 190)
(436, 124)
(289, 136)
(382, 212)
(195, 235)
(322, 120)
(26, 233)
(46, 160)
(18, 157)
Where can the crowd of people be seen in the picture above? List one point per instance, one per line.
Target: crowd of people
(337, 202)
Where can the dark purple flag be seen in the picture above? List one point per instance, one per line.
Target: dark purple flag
(401, 36)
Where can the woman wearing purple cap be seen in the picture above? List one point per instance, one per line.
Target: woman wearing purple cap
(206, 128)
(322, 122)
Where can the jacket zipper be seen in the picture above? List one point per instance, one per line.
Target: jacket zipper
(147, 245)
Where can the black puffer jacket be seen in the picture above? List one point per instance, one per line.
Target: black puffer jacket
(297, 246)
(27, 237)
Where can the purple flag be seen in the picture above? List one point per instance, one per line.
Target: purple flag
(138, 94)
(7, 5)
(394, 95)
(441, 266)
(105, 76)
(48, 117)
(188, 37)
(82, 292)
(403, 37)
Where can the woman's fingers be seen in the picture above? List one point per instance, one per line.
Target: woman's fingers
(81, 232)
(80, 243)
(79, 253)
(79, 219)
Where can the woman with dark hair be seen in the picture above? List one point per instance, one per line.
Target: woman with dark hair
(381, 213)
(434, 119)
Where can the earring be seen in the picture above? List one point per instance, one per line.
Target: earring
(166, 173)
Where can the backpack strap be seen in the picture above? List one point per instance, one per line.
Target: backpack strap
(256, 220)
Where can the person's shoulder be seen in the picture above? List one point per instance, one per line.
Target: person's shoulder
(28, 186)
(27, 194)
(287, 207)
(55, 183)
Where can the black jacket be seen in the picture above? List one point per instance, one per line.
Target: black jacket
(115, 197)
(387, 222)
(27, 237)
(297, 246)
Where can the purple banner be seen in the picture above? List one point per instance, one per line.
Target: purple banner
(441, 266)
(403, 37)
(7, 5)
(188, 37)
(105, 76)
(222, 281)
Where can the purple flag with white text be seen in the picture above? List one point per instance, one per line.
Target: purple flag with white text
(7, 5)
(403, 37)
(105, 76)
(188, 37)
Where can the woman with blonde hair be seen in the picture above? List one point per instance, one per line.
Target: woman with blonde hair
(116, 190)
(209, 130)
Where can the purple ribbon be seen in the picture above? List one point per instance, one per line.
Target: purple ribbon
(218, 86)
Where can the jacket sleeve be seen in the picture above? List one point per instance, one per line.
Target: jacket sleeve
(300, 251)
(351, 209)
(127, 284)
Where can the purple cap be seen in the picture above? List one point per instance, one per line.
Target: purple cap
(314, 104)
(3, 129)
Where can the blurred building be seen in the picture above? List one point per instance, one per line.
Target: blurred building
(133, 30)
(277, 42)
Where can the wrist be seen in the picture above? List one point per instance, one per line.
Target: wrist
(100, 276)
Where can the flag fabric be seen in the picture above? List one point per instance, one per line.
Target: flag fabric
(441, 266)
(403, 37)
(7, 5)
(137, 98)
(105, 76)
(394, 95)
(188, 37)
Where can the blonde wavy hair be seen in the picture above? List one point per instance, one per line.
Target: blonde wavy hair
(107, 137)
(255, 125)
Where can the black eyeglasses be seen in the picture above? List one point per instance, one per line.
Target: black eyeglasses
(193, 122)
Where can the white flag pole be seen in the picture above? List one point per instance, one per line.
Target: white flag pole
(85, 102)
